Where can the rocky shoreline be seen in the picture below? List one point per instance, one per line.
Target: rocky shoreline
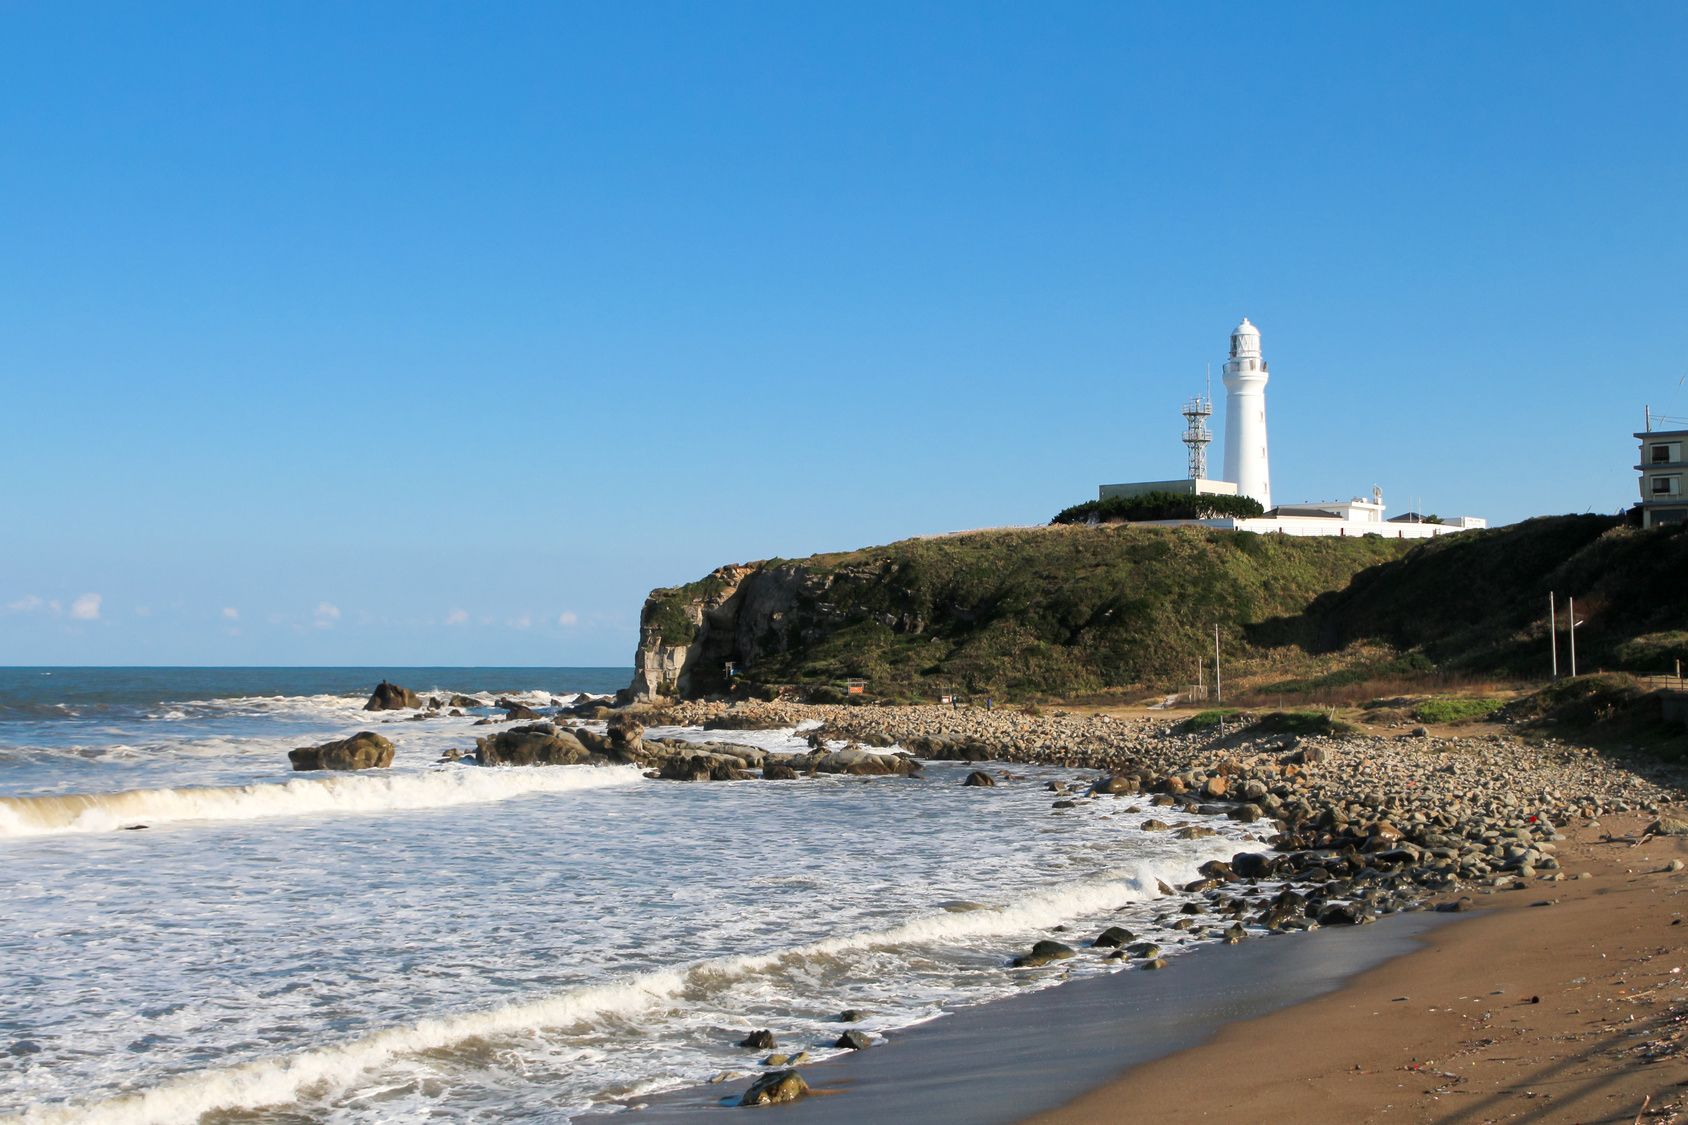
(1366, 826)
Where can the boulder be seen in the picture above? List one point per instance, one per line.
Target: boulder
(1114, 937)
(363, 751)
(520, 712)
(1153, 825)
(758, 1040)
(775, 1087)
(391, 697)
(1042, 954)
(625, 732)
(1118, 785)
(1252, 865)
(1665, 826)
(853, 1040)
(852, 1015)
(980, 779)
(539, 744)
(778, 771)
(463, 701)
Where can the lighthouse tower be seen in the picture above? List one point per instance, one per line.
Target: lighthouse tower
(1245, 416)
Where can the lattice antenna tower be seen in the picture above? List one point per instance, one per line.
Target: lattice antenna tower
(1196, 434)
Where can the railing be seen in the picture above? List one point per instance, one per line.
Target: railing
(1664, 683)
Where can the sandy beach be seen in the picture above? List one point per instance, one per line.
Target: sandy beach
(1563, 1002)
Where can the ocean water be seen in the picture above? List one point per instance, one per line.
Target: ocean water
(444, 942)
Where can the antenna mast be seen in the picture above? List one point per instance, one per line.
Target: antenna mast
(1196, 434)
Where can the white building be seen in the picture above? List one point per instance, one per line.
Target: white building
(1664, 473)
(1248, 469)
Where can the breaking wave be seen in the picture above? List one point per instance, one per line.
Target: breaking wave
(281, 1079)
(350, 793)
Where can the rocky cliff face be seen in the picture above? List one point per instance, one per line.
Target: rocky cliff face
(1029, 611)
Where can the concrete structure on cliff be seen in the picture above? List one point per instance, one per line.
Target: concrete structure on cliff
(1248, 467)
(1664, 471)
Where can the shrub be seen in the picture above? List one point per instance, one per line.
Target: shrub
(1301, 722)
(1455, 709)
(1206, 720)
(1160, 506)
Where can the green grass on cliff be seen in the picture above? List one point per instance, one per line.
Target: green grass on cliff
(1071, 611)
(1047, 611)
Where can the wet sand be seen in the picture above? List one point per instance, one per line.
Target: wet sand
(1571, 1011)
(1575, 1011)
(1002, 1062)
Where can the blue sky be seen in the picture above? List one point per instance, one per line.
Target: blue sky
(440, 333)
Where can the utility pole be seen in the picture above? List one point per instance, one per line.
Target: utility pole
(1571, 612)
(1218, 688)
(1553, 632)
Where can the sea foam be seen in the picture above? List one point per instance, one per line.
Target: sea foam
(344, 793)
(280, 1080)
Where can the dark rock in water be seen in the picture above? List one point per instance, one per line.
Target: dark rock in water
(1195, 832)
(1344, 914)
(1153, 825)
(1064, 804)
(853, 1040)
(391, 697)
(463, 701)
(759, 1040)
(1118, 785)
(778, 771)
(1252, 865)
(24, 1047)
(363, 751)
(1216, 869)
(746, 720)
(434, 703)
(521, 712)
(539, 744)
(1042, 954)
(1457, 906)
(1248, 813)
(775, 1087)
(1113, 937)
(703, 767)
(1144, 949)
(852, 1015)
(134, 828)
(980, 778)
(455, 713)
(1153, 963)
(1235, 933)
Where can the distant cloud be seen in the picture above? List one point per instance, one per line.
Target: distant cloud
(230, 613)
(522, 622)
(327, 613)
(29, 603)
(143, 611)
(86, 608)
(568, 619)
(457, 617)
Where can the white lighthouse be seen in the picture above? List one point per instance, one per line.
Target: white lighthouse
(1245, 416)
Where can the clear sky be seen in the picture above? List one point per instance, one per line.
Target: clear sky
(440, 333)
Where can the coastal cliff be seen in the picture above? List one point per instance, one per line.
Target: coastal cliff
(1053, 610)
(1060, 611)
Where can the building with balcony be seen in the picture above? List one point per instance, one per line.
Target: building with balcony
(1664, 472)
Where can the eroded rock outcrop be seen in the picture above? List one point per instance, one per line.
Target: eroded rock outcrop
(365, 750)
(391, 697)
